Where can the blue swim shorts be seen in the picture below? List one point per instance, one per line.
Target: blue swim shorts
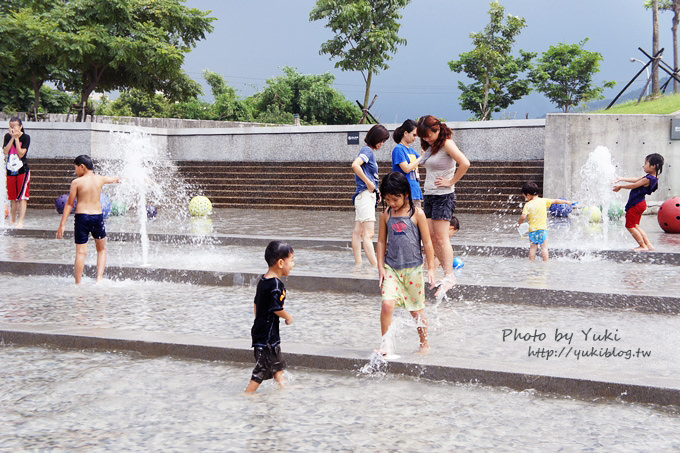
(538, 237)
(86, 224)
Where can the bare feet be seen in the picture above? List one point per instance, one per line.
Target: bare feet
(445, 284)
(386, 349)
(640, 249)
(424, 348)
(386, 355)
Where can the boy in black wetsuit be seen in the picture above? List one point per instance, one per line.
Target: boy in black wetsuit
(269, 299)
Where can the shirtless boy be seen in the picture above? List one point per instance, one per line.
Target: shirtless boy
(87, 189)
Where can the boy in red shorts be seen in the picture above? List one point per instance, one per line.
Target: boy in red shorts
(640, 187)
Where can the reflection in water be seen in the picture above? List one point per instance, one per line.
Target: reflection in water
(634, 280)
(18, 250)
(538, 276)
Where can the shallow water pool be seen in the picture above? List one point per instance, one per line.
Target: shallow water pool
(584, 273)
(107, 401)
(461, 332)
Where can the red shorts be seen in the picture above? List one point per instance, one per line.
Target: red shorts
(19, 186)
(634, 214)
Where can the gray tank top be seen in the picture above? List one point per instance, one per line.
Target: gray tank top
(439, 164)
(403, 243)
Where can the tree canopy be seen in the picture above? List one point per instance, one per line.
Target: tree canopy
(88, 45)
(28, 49)
(564, 73)
(366, 34)
(311, 96)
(497, 75)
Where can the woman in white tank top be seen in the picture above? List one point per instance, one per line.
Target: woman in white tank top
(445, 165)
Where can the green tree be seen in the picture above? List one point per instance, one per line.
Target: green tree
(365, 35)
(564, 74)
(311, 96)
(29, 47)
(14, 98)
(193, 109)
(227, 105)
(134, 102)
(496, 73)
(125, 44)
(55, 101)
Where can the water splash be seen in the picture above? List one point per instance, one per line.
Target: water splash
(595, 196)
(388, 343)
(376, 366)
(148, 177)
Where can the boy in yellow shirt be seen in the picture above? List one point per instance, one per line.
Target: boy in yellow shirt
(535, 212)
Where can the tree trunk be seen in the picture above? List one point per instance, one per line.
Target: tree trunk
(655, 47)
(367, 94)
(36, 100)
(674, 28)
(84, 96)
(485, 105)
(88, 88)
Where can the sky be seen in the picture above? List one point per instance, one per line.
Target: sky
(254, 39)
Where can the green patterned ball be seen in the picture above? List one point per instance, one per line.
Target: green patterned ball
(118, 208)
(200, 206)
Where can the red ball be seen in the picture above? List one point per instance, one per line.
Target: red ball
(669, 215)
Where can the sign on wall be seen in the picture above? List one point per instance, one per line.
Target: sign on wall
(675, 128)
(352, 138)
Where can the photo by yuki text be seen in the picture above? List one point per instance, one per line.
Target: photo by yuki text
(579, 344)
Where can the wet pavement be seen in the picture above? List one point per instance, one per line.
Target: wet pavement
(610, 342)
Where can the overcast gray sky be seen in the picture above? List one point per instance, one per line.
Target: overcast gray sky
(254, 39)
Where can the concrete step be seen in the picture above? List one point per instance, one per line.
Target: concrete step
(329, 169)
(488, 187)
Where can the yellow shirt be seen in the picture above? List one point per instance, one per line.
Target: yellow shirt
(536, 211)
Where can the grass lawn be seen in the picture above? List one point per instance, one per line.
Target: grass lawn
(661, 106)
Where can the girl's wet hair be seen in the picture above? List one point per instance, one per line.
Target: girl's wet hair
(275, 251)
(406, 126)
(86, 160)
(428, 124)
(396, 184)
(16, 119)
(376, 134)
(656, 161)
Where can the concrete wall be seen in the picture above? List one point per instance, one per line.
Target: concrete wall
(135, 121)
(566, 138)
(570, 138)
(101, 141)
(486, 141)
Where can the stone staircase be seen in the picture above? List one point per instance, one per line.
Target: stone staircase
(488, 187)
(49, 179)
